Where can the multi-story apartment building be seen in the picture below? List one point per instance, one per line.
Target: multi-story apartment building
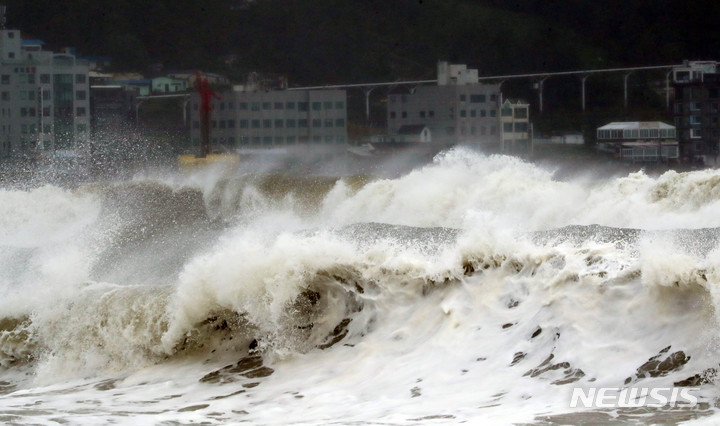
(44, 99)
(249, 118)
(697, 110)
(457, 110)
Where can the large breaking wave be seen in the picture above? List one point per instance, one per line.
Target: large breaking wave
(474, 287)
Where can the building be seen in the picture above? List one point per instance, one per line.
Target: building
(162, 85)
(639, 142)
(516, 132)
(246, 118)
(457, 110)
(44, 99)
(696, 110)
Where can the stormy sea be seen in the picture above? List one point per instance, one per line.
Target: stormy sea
(473, 289)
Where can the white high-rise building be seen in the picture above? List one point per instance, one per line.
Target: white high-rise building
(44, 99)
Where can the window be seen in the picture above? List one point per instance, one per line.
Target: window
(278, 105)
(231, 124)
(506, 112)
(255, 124)
(339, 105)
(290, 123)
(473, 113)
(303, 123)
(316, 122)
(279, 123)
(303, 106)
(404, 114)
(463, 113)
(521, 127)
(266, 106)
(45, 78)
(267, 124)
(327, 105)
(222, 124)
(316, 106)
(328, 122)
(80, 78)
(392, 114)
(431, 113)
(290, 105)
(695, 133)
(5, 79)
(255, 106)
(493, 113)
(422, 114)
(493, 97)
(463, 98)
(521, 112)
(243, 106)
(483, 113)
(507, 127)
(243, 124)
(339, 122)
(476, 99)
(81, 95)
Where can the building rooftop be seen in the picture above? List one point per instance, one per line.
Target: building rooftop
(635, 125)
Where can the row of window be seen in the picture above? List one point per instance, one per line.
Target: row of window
(277, 106)
(476, 98)
(27, 129)
(29, 95)
(519, 112)
(44, 78)
(32, 112)
(277, 140)
(276, 124)
(519, 127)
(463, 113)
(636, 133)
(695, 106)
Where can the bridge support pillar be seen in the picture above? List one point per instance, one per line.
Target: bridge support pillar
(367, 91)
(625, 88)
(582, 84)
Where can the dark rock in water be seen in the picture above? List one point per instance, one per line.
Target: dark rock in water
(337, 334)
(706, 377)
(508, 325)
(568, 375)
(415, 392)
(519, 356)
(654, 367)
(536, 333)
(250, 367)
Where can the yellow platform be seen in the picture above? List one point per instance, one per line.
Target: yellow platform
(190, 162)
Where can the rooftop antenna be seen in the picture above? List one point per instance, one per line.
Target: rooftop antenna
(3, 19)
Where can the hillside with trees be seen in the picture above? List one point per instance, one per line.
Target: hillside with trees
(330, 41)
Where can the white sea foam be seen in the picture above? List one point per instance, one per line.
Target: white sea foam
(453, 293)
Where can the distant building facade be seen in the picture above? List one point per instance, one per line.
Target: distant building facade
(458, 110)
(639, 142)
(245, 118)
(515, 119)
(44, 99)
(696, 110)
